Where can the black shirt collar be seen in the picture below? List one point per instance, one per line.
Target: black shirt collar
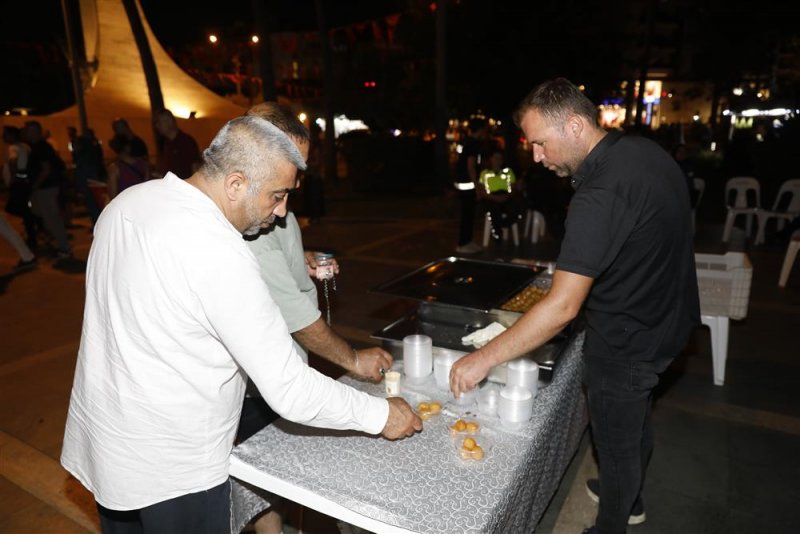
(588, 166)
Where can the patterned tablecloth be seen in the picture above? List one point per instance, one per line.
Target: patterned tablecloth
(420, 483)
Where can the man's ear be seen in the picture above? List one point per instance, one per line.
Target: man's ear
(235, 185)
(575, 126)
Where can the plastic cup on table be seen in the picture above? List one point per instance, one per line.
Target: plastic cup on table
(442, 362)
(417, 357)
(514, 406)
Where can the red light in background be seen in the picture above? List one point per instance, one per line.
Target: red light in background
(432, 7)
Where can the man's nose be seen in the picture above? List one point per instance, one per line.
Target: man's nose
(537, 154)
(281, 208)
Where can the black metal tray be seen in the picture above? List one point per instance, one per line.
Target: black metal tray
(475, 284)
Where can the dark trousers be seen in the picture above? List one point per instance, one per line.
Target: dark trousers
(620, 398)
(204, 512)
(467, 226)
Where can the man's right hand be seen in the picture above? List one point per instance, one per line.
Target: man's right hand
(402, 421)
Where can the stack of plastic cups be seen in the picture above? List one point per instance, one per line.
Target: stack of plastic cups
(523, 372)
(417, 358)
(514, 407)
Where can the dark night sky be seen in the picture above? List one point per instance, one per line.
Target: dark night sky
(493, 44)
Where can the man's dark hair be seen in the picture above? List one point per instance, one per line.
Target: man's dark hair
(556, 100)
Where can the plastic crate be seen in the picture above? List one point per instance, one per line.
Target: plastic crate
(724, 283)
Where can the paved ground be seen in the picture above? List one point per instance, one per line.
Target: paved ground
(725, 459)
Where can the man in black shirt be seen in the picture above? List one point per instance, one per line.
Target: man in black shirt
(627, 260)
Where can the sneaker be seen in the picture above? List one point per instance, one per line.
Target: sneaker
(469, 248)
(637, 516)
(23, 266)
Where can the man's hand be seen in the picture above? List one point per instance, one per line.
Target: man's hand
(367, 363)
(311, 263)
(402, 421)
(467, 372)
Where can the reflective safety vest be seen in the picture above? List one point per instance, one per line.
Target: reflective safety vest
(498, 182)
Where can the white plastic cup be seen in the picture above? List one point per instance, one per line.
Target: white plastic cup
(515, 406)
(523, 372)
(442, 362)
(466, 398)
(417, 357)
(487, 400)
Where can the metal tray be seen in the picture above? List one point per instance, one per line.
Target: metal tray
(475, 284)
(446, 325)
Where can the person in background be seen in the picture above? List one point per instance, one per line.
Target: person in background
(15, 176)
(122, 131)
(179, 152)
(27, 259)
(126, 170)
(501, 193)
(47, 173)
(176, 316)
(87, 154)
(286, 269)
(467, 173)
(627, 261)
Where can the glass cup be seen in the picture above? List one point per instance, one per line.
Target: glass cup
(417, 357)
(514, 406)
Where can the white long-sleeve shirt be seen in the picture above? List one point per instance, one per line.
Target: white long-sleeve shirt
(176, 313)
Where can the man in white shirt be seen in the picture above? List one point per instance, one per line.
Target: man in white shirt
(176, 314)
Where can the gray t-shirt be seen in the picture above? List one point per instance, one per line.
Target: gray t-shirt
(283, 268)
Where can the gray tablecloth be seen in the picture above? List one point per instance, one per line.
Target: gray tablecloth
(420, 483)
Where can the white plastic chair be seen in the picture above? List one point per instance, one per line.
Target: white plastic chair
(792, 209)
(788, 260)
(487, 231)
(700, 187)
(740, 185)
(534, 225)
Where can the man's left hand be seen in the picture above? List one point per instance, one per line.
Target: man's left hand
(370, 362)
(311, 262)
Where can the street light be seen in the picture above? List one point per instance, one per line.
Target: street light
(213, 39)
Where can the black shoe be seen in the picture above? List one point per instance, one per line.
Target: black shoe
(637, 516)
(23, 266)
(590, 530)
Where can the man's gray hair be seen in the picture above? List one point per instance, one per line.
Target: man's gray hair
(251, 146)
(556, 100)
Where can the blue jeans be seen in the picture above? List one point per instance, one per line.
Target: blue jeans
(620, 396)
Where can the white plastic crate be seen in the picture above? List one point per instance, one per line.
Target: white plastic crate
(724, 283)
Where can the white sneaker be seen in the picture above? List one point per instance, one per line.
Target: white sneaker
(469, 248)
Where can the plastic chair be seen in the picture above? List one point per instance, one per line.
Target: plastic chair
(741, 185)
(535, 224)
(790, 188)
(788, 260)
(487, 231)
(700, 187)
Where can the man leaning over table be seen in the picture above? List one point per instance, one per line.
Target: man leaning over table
(286, 269)
(176, 314)
(627, 260)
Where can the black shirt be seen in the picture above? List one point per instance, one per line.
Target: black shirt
(629, 228)
(43, 153)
